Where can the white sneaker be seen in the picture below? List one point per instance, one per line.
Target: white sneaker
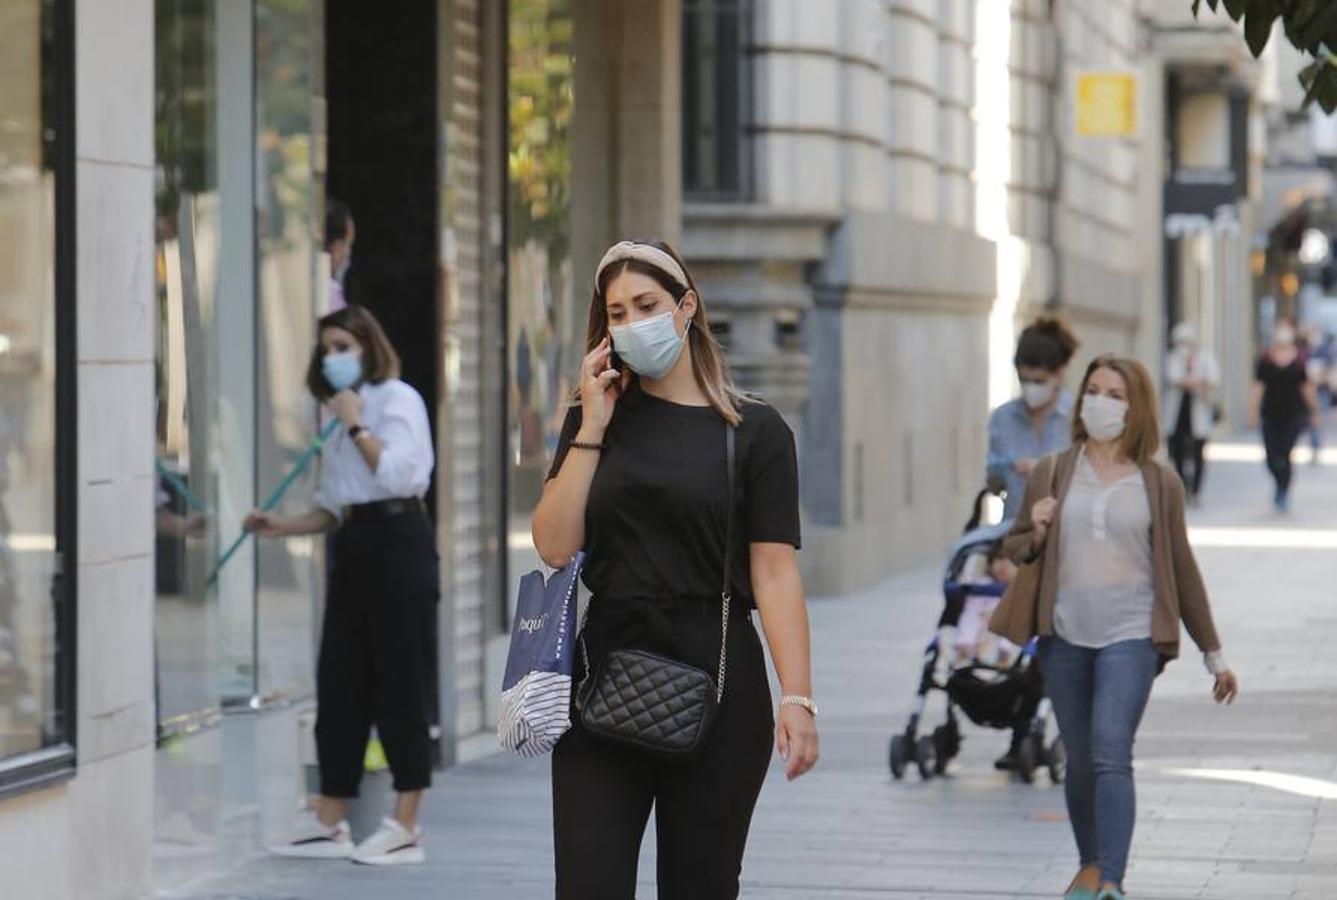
(391, 845)
(313, 839)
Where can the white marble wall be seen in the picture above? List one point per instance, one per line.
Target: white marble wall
(1074, 201)
(864, 113)
(103, 817)
(870, 100)
(873, 111)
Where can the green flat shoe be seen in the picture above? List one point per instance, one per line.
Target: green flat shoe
(1111, 894)
(1077, 893)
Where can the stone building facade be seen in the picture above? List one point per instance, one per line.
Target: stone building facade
(874, 195)
(917, 193)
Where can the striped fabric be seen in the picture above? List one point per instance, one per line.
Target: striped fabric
(535, 713)
(536, 689)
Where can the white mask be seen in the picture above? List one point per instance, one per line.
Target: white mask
(1103, 416)
(650, 347)
(1035, 394)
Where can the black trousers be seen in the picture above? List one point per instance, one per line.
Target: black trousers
(1187, 453)
(375, 652)
(603, 795)
(1279, 437)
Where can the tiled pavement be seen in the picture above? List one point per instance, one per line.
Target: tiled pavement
(848, 831)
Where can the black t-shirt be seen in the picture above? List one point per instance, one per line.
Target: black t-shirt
(1283, 396)
(655, 519)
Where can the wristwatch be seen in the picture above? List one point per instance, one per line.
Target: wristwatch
(795, 700)
(357, 431)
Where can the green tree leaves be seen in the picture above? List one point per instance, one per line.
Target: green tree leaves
(1309, 25)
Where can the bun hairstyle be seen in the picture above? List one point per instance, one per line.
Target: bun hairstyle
(1047, 343)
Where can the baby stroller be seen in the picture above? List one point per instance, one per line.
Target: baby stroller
(1003, 693)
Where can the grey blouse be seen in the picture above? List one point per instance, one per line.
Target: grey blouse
(1105, 592)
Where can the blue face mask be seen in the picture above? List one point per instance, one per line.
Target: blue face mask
(342, 370)
(651, 347)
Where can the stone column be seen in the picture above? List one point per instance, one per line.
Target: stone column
(627, 132)
(648, 126)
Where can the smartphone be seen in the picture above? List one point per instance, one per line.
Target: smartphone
(614, 361)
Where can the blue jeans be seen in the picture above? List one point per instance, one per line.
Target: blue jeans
(1098, 697)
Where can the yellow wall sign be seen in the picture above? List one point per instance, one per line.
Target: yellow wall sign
(1106, 104)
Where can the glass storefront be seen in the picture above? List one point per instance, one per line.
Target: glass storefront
(545, 315)
(34, 368)
(288, 68)
(187, 495)
(236, 253)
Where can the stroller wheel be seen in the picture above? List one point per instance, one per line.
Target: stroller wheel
(899, 755)
(1028, 758)
(926, 756)
(946, 746)
(1057, 760)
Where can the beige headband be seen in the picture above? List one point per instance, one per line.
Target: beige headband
(645, 253)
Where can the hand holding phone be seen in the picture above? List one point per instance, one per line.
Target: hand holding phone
(600, 387)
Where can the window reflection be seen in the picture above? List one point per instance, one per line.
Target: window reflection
(235, 223)
(187, 438)
(286, 81)
(29, 715)
(544, 316)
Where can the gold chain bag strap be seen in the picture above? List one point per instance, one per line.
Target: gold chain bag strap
(652, 703)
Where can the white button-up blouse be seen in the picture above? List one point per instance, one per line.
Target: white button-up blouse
(397, 416)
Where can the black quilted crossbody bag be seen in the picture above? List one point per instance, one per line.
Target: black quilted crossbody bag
(652, 703)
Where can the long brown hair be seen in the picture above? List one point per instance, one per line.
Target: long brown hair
(380, 362)
(708, 363)
(1142, 432)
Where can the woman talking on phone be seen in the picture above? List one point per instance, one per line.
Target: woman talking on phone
(375, 665)
(641, 484)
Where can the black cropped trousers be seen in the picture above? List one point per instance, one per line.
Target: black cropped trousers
(376, 648)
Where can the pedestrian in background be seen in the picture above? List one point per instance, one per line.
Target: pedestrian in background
(339, 236)
(375, 663)
(1192, 378)
(1104, 526)
(1035, 424)
(640, 483)
(1027, 428)
(1320, 354)
(1283, 401)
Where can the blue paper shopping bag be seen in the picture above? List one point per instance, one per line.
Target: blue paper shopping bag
(536, 690)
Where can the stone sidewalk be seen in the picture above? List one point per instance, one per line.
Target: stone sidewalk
(850, 831)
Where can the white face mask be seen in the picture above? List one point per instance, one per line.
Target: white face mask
(1103, 416)
(1036, 394)
(650, 347)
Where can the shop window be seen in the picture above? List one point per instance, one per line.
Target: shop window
(37, 412)
(715, 92)
(545, 313)
(236, 154)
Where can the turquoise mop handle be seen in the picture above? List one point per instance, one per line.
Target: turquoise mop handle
(277, 494)
(174, 480)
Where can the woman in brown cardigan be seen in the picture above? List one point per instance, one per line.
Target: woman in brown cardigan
(1108, 577)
